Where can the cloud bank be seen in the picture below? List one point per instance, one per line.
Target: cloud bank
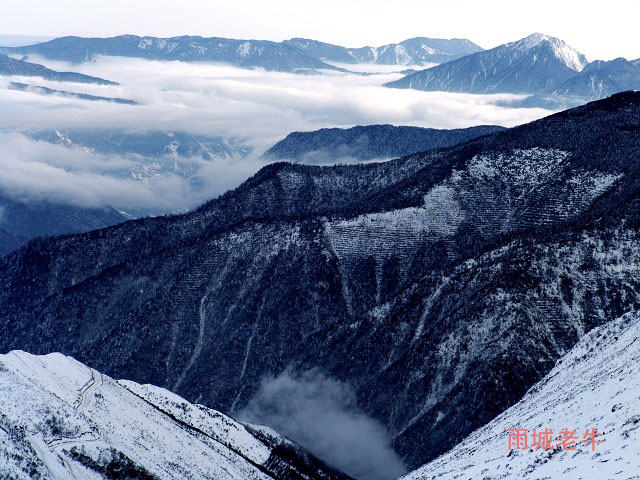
(321, 414)
(256, 106)
(33, 170)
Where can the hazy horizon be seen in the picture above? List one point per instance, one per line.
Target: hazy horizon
(598, 33)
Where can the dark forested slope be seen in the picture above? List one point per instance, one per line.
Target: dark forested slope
(369, 142)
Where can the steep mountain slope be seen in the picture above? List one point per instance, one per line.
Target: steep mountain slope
(62, 420)
(594, 386)
(414, 51)
(440, 286)
(11, 66)
(243, 53)
(22, 220)
(368, 142)
(536, 64)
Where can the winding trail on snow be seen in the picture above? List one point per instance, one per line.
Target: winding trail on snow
(50, 451)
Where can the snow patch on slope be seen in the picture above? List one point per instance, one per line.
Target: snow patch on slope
(402, 56)
(398, 233)
(244, 49)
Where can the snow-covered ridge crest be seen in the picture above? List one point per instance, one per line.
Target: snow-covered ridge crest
(563, 52)
(596, 385)
(62, 420)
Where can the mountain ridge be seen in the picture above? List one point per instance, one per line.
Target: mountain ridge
(412, 51)
(11, 66)
(289, 56)
(474, 267)
(368, 142)
(552, 73)
(534, 64)
(244, 53)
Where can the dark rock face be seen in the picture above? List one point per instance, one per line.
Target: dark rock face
(440, 285)
(369, 142)
(243, 53)
(11, 66)
(20, 221)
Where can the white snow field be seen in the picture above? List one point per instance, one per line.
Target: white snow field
(62, 420)
(595, 385)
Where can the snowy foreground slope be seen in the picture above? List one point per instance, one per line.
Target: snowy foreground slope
(596, 385)
(62, 420)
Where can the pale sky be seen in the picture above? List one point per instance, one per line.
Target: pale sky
(599, 29)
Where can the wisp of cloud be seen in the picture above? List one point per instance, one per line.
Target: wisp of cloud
(321, 414)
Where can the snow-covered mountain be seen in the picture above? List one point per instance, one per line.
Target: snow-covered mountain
(554, 74)
(413, 51)
(243, 53)
(536, 64)
(296, 54)
(594, 386)
(600, 79)
(61, 420)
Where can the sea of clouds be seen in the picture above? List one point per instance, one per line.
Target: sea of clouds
(256, 107)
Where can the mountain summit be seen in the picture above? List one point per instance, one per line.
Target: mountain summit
(536, 64)
(563, 52)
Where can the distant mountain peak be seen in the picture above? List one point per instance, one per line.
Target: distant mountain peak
(562, 51)
(535, 39)
(535, 65)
